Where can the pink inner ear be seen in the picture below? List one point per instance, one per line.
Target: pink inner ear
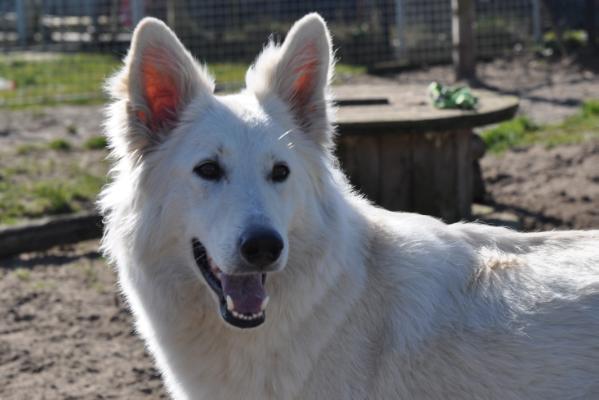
(303, 86)
(160, 90)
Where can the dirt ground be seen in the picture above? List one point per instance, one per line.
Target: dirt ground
(547, 188)
(65, 334)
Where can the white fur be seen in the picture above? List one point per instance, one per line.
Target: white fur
(370, 304)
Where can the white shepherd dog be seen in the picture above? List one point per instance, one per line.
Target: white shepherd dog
(222, 203)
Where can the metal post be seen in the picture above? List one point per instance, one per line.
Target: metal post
(536, 21)
(401, 28)
(21, 11)
(137, 11)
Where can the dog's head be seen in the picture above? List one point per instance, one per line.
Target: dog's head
(223, 178)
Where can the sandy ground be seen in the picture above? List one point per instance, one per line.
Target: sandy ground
(65, 334)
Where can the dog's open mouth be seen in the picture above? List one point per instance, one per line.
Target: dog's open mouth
(242, 298)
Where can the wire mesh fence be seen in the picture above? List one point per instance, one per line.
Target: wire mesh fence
(62, 50)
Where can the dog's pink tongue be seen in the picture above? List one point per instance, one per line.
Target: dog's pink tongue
(246, 291)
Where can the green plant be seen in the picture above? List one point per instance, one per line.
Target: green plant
(509, 134)
(96, 143)
(590, 108)
(60, 145)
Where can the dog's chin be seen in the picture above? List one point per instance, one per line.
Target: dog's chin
(242, 298)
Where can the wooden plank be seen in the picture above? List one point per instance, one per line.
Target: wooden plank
(464, 171)
(423, 183)
(437, 185)
(396, 172)
(445, 177)
(359, 157)
(48, 232)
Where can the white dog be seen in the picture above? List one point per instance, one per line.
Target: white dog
(220, 203)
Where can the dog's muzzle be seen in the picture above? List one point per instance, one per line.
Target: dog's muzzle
(242, 297)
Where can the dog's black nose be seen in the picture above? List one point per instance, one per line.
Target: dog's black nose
(260, 246)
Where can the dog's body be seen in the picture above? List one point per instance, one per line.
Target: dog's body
(371, 304)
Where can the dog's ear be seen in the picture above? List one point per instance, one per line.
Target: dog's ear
(298, 72)
(159, 79)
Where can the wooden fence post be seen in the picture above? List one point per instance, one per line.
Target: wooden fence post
(400, 27)
(463, 39)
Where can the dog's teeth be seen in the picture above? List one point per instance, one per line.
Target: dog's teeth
(264, 303)
(247, 317)
(230, 304)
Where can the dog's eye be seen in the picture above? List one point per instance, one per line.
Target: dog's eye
(279, 173)
(210, 170)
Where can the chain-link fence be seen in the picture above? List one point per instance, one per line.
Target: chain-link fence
(62, 50)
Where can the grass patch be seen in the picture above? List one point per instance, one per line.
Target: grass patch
(349, 70)
(96, 143)
(52, 198)
(521, 131)
(60, 145)
(23, 194)
(509, 134)
(55, 78)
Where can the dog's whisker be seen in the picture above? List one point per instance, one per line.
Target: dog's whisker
(285, 134)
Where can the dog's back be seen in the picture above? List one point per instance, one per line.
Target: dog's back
(482, 312)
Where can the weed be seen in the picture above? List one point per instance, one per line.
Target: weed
(96, 143)
(590, 108)
(60, 145)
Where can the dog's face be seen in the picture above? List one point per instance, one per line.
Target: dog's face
(227, 174)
